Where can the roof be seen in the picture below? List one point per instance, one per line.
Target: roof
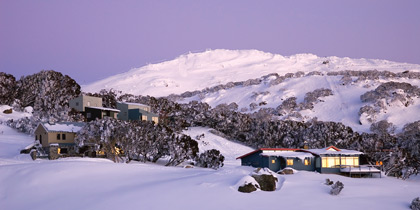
(148, 113)
(301, 154)
(103, 108)
(71, 127)
(286, 152)
(263, 149)
(334, 150)
(130, 103)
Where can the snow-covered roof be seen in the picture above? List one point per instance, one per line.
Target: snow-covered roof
(292, 154)
(103, 108)
(63, 127)
(331, 150)
(130, 103)
(302, 153)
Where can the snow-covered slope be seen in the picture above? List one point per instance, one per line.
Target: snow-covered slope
(196, 71)
(93, 183)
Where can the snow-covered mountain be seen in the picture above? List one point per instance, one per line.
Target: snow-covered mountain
(196, 71)
(298, 87)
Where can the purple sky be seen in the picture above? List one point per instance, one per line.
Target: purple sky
(93, 39)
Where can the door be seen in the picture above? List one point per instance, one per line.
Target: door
(274, 163)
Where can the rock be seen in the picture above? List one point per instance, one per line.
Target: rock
(33, 154)
(53, 153)
(329, 182)
(415, 204)
(247, 188)
(336, 188)
(266, 182)
(188, 166)
(286, 171)
(8, 111)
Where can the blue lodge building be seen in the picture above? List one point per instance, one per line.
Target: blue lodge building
(326, 160)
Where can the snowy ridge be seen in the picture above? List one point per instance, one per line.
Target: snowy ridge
(196, 71)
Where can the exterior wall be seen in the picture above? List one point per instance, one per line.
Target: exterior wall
(134, 114)
(77, 104)
(92, 114)
(123, 115)
(274, 163)
(142, 107)
(150, 116)
(41, 133)
(83, 101)
(299, 164)
(91, 101)
(108, 113)
(254, 160)
(52, 138)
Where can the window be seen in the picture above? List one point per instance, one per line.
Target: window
(330, 162)
(289, 162)
(58, 136)
(63, 136)
(155, 120)
(307, 162)
(88, 103)
(36, 137)
(350, 161)
(144, 118)
(273, 161)
(40, 139)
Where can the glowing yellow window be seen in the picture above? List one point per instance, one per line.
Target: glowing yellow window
(307, 162)
(144, 118)
(273, 161)
(58, 150)
(289, 162)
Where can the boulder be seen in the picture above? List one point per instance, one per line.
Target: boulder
(53, 153)
(415, 204)
(336, 188)
(267, 182)
(33, 154)
(8, 111)
(247, 188)
(286, 171)
(329, 182)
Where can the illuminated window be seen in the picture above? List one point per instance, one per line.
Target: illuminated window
(289, 162)
(330, 162)
(144, 118)
(307, 162)
(273, 161)
(350, 161)
(155, 120)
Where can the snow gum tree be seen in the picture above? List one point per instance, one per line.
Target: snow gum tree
(7, 88)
